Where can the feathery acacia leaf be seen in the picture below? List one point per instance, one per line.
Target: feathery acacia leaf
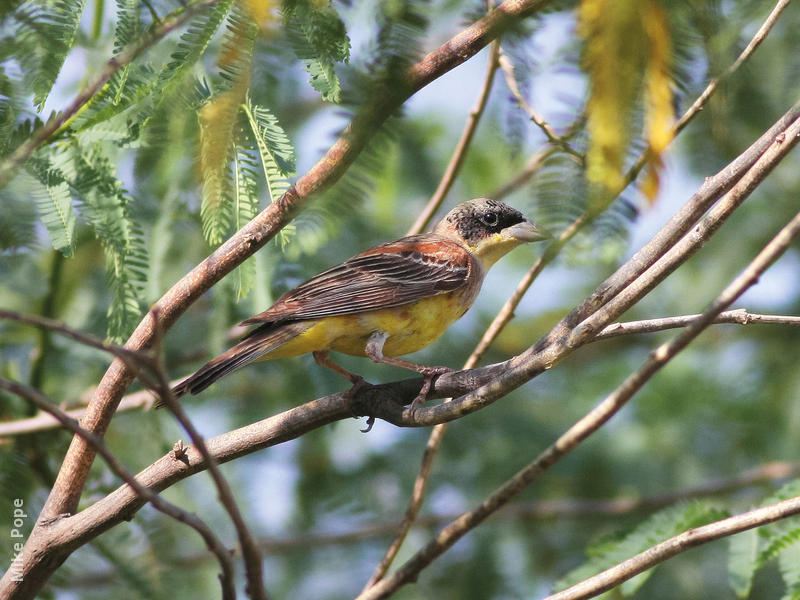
(192, 45)
(218, 119)
(789, 565)
(319, 39)
(742, 566)
(121, 236)
(274, 148)
(657, 528)
(47, 33)
(245, 185)
(53, 198)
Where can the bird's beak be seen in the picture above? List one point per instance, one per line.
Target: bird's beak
(526, 232)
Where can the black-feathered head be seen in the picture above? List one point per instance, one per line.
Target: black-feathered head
(488, 228)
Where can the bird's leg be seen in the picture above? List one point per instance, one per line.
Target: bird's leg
(374, 350)
(321, 356)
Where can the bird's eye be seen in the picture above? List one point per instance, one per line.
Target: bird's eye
(489, 218)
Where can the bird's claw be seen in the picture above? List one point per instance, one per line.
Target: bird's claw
(370, 423)
(358, 384)
(429, 373)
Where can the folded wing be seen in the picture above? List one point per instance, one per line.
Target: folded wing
(389, 275)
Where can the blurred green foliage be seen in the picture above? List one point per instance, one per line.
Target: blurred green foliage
(106, 217)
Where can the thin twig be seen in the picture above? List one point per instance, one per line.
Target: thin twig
(591, 423)
(453, 167)
(133, 359)
(687, 540)
(9, 166)
(414, 505)
(754, 43)
(250, 551)
(214, 544)
(460, 152)
(552, 137)
(44, 421)
(739, 316)
(575, 508)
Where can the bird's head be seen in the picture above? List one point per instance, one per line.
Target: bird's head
(490, 229)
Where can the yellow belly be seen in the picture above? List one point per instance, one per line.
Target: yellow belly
(410, 328)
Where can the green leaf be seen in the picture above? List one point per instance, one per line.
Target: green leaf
(742, 565)
(53, 198)
(192, 45)
(276, 153)
(47, 33)
(122, 238)
(245, 202)
(274, 148)
(319, 39)
(657, 528)
(218, 125)
(789, 565)
(777, 544)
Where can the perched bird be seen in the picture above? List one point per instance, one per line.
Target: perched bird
(391, 300)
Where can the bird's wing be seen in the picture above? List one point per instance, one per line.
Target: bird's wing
(388, 275)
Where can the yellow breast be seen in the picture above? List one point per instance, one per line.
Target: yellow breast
(410, 328)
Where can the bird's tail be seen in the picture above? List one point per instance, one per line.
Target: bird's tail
(256, 344)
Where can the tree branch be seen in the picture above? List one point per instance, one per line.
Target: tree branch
(712, 86)
(739, 316)
(575, 508)
(552, 137)
(591, 423)
(222, 554)
(687, 540)
(9, 166)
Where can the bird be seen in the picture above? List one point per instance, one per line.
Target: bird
(388, 301)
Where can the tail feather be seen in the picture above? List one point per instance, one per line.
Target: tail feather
(256, 344)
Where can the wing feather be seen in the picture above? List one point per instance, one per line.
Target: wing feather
(389, 275)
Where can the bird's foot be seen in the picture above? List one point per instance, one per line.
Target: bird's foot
(359, 383)
(429, 373)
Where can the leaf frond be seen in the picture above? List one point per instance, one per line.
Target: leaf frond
(319, 39)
